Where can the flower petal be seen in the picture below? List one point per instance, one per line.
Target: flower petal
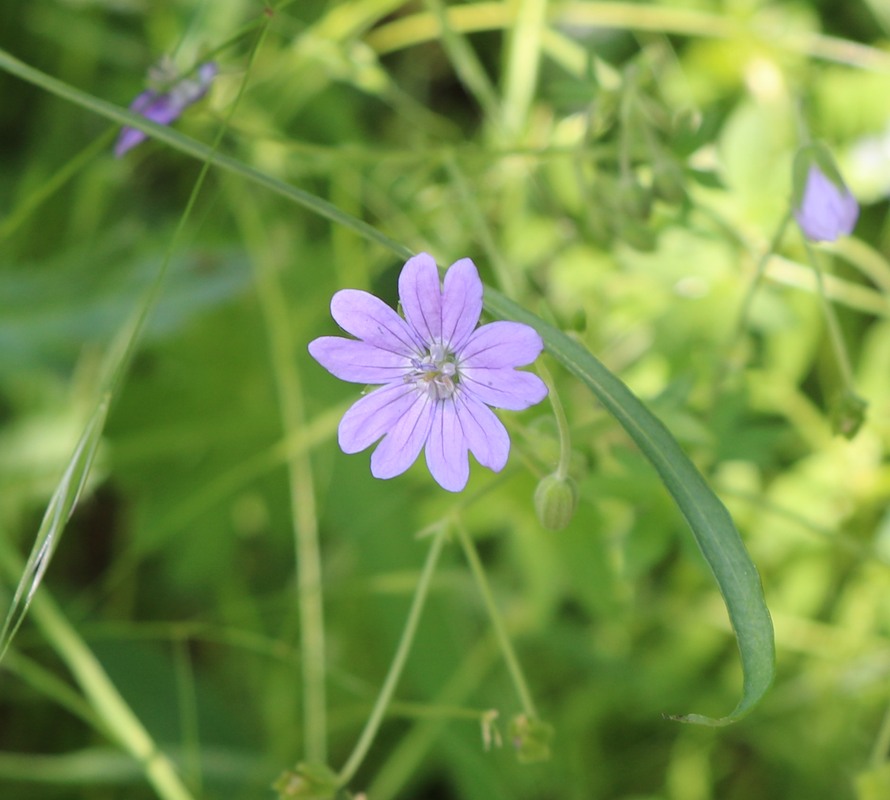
(501, 344)
(370, 319)
(446, 449)
(503, 388)
(374, 415)
(358, 362)
(421, 296)
(461, 303)
(826, 211)
(484, 433)
(405, 439)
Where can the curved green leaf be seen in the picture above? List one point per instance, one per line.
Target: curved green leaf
(711, 524)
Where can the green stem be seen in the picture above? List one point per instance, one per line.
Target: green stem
(304, 517)
(497, 621)
(834, 329)
(562, 422)
(395, 670)
(882, 743)
(729, 366)
(524, 56)
(745, 311)
(117, 718)
(477, 219)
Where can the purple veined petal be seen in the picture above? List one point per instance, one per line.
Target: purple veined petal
(374, 415)
(446, 449)
(501, 344)
(358, 362)
(503, 388)
(371, 320)
(421, 296)
(461, 303)
(484, 433)
(399, 449)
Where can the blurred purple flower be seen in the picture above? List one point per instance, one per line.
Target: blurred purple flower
(438, 373)
(165, 107)
(826, 210)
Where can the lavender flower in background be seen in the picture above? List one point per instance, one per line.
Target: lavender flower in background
(824, 208)
(438, 373)
(164, 107)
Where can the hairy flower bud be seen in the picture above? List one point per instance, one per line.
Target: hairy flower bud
(555, 501)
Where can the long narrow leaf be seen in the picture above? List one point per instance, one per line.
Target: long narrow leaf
(711, 524)
(55, 518)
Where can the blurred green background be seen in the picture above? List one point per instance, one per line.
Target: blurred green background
(620, 170)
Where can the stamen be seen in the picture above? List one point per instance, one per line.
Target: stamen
(436, 372)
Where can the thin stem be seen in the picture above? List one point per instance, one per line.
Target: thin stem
(497, 621)
(834, 329)
(728, 364)
(116, 717)
(504, 276)
(882, 743)
(562, 423)
(304, 516)
(395, 669)
(524, 56)
(745, 311)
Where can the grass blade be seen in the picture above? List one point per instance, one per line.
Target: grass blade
(55, 518)
(711, 524)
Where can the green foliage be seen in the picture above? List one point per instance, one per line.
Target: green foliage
(619, 173)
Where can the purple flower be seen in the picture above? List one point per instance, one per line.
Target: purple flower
(826, 210)
(438, 373)
(165, 107)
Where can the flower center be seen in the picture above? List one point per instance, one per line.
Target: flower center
(436, 373)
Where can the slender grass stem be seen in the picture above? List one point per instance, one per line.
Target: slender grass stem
(497, 621)
(882, 744)
(117, 718)
(465, 62)
(476, 218)
(304, 517)
(524, 56)
(395, 669)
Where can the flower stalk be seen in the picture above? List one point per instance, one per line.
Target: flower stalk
(395, 669)
(497, 622)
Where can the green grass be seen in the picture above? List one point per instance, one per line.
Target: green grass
(201, 592)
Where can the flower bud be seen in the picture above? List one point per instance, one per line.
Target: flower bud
(848, 414)
(667, 182)
(307, 782)
(555, 501)
(531, 738)
(823, 205)
(635, 200)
